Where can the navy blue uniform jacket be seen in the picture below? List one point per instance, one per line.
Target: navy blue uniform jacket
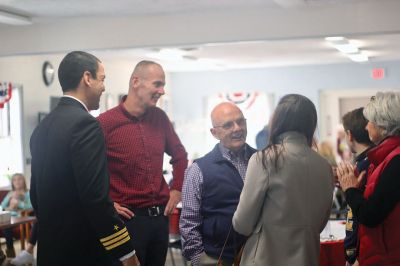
(77, 222)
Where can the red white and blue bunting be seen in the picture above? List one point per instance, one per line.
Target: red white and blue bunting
(5, 93)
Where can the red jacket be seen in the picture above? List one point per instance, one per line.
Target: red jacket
(380, 245)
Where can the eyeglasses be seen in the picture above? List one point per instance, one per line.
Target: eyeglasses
(241, 122)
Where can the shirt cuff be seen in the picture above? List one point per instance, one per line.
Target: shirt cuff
(196, 259)
(354, 198)
(127, 256)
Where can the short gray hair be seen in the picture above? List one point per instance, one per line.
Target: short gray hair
(384, 111)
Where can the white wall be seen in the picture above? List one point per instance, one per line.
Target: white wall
(27, 71)
(11, 160)
(190, 90)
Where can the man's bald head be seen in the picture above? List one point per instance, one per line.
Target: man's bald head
(146, 86)
(220, 111)
(229, 125)
(141, 70)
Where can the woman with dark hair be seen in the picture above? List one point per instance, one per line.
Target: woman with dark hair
(287, 195)
(377, 209)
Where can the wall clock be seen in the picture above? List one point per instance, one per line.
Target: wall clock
(48, 73)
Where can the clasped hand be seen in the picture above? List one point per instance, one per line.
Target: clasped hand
(347, 179)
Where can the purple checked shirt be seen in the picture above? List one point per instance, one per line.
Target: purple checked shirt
(191, 218)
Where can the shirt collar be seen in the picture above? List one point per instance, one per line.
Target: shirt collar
(363, 154)
(129, 115)
(230, 155)
(84, 105)
(377, 154)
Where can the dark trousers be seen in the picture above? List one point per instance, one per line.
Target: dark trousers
(8, 234)
(150, 236)
(34, 234)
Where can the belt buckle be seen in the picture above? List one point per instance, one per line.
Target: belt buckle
(154, 211)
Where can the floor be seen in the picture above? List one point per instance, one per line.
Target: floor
(174, 260)
(177, 258)
(17, 247)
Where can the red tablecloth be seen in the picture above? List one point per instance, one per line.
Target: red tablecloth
(174, 221)
(332, 254)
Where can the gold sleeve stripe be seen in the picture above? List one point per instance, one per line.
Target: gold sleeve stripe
(113, 235)
(119, 243)
(115, 239)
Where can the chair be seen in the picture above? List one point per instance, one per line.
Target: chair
(174, 236)
(3, 194)
(175, 243)
(339, 207)
(25, 229)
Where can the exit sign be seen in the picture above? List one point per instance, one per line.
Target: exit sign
(378, 73)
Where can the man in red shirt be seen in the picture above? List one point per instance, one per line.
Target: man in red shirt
(137, 135)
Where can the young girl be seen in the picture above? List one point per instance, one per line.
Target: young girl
(16, 200)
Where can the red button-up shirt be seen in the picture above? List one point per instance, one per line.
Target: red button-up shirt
(135, 153)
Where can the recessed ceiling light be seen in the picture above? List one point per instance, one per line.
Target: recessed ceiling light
(360, 57)
(347, 48)
(337, 40)
(167, 54)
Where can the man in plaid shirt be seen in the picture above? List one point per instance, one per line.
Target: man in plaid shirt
(211, 191)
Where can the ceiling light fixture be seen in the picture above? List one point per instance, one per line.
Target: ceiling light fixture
(14, 19)
(169, 54)
(359, 57)
(336, 40)
(348, 48)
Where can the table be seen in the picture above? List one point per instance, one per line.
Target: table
(24, 226)
(332, 250)
(332, 253)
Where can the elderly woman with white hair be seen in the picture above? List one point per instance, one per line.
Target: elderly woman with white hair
(378, 208)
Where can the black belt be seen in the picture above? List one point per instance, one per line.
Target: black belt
(149, 211)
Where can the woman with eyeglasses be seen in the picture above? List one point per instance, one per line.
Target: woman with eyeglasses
(287, 195)
(378, 208)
